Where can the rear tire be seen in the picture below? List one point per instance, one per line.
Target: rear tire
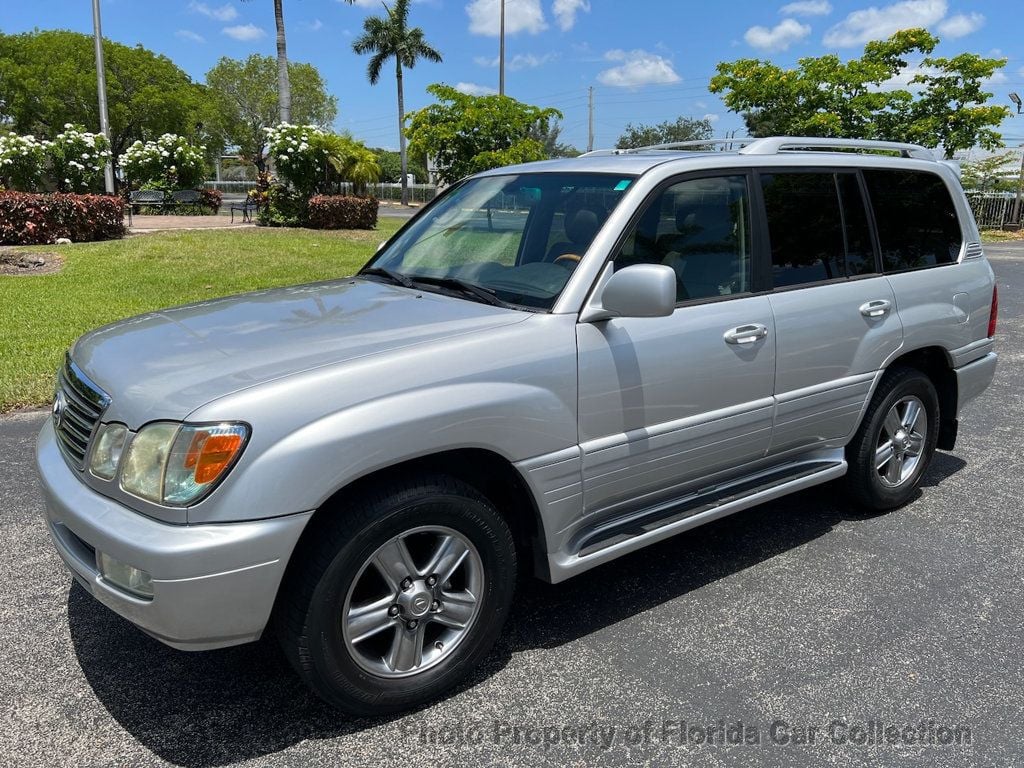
(895, 442)
(401, 597)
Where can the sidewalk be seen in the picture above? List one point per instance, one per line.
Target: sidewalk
(142, 224)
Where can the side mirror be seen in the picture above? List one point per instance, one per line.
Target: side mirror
(642, 290)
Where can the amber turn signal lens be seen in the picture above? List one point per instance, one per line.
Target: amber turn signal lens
(216, 453)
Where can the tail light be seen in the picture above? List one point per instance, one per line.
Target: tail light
(994, 312)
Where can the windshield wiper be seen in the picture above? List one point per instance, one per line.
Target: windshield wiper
(395, 277)
(471, 290)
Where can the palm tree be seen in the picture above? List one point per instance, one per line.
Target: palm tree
(284, 88)
(387, 38)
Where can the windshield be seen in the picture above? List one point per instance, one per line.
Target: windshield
(512, 240)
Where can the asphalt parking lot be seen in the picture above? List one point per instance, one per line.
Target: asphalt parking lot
(798, 615)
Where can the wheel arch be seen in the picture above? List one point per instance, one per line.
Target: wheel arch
(490, 473)
(935, 363)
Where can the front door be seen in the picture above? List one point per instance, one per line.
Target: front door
(667, 402)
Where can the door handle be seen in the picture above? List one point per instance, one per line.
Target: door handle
(876, 308)
(746, 334)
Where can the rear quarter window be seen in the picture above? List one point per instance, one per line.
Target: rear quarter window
(917, 221)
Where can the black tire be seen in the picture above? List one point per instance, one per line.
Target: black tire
(331, 559)
(863, 478)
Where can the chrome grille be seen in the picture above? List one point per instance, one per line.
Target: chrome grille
(77, 409)
(974, 251)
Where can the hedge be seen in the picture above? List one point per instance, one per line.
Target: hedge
(33, 219)
(342, 212)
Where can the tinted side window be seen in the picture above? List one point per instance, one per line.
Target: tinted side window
(700, 228)
(917, 222)
(860, 252)
(805, 226)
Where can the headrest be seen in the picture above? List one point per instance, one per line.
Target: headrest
(582, 226)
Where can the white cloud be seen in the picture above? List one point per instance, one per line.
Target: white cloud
(188, 34)
(224, 12)
(520, 16)
(314, 26)
(519, 61)
(475, 89)
(961, 25)
(565, 11)
(244, 32)
(880, 23)
(779, 37)
(712, 118)
(807, 8)
(637, 68)
(363, 3)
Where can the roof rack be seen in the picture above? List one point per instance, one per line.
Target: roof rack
(776, 144)
(739, 140)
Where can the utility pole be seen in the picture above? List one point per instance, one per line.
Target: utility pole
(590, 111)
(501, 55)
(101, 86)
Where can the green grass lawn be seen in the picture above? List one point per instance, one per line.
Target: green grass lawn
(101, 282)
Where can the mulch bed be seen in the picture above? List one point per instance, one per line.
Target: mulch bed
(30, 263)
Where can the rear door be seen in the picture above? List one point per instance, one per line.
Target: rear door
(835, 314)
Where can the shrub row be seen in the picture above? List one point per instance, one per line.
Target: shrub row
(342, 212)
(33, 219)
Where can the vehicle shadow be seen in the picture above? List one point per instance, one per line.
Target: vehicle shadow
(209, 709)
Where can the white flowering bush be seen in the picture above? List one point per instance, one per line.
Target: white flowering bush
(298, 154)
(22, 159)
(77, 159)
(171, 159)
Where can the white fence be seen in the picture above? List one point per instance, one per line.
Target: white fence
(994, 210)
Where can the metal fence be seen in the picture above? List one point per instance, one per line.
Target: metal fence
(994, 210)
(418, 193)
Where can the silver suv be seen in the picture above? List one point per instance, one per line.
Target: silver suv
(550, 366)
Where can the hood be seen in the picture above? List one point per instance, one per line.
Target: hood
(164, 365)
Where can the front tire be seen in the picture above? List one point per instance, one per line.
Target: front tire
(895, 442)
(401, 598)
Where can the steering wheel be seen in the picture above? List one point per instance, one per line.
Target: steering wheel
(567, 260)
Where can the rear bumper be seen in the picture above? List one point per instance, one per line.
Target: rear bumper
(973, 379)
(213, 585)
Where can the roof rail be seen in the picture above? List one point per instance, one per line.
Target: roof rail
(739, 140)
(776, 144)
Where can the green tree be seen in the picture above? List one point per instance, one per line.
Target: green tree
(48, 79)
(391, 37)
(825, 96)
(682, 129)
(466, 134)
(997, 173)
(284, 88)
(390, 163)
(549, 139)
(244, 94)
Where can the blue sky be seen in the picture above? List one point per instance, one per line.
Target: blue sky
(648, 60)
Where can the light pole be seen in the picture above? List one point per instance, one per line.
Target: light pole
(501, 54)
(101, 86)
(1020, 180)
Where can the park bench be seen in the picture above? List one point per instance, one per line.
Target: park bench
(154, 198)
(246, 208)
(185, 197)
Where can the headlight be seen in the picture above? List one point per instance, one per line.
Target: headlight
(106, 454)
(177, 464)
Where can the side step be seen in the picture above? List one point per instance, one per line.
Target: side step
(609, 539)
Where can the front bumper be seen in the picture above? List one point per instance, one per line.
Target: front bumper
(213, 585)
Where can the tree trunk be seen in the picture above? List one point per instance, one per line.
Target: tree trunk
(284, 89)
(401, 133)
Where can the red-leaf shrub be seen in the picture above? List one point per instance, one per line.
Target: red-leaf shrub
(30, 219)
(210, 198)
(342, 212)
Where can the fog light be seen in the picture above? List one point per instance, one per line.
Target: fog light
(125, 576)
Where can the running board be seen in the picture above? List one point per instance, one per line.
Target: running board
(605, 541)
